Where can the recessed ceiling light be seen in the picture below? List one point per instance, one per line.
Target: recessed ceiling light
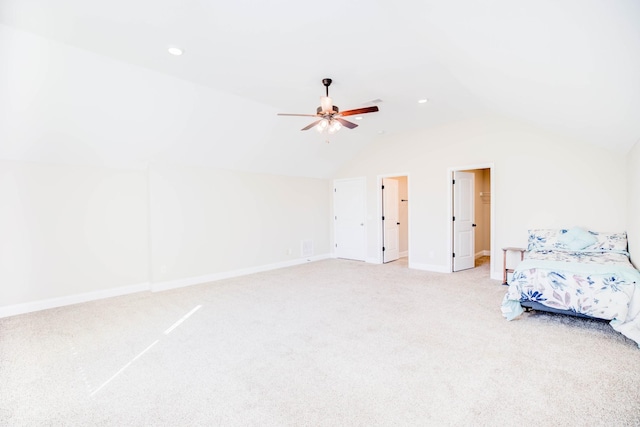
(422, 101)
(175, 50)
(358, 118)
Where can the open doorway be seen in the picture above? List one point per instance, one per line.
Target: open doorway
(394, 204)
(471, 217)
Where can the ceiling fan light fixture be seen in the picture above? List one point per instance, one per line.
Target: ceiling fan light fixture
(334, 126)
(322, 125)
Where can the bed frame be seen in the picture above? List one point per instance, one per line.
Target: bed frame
(532, 305)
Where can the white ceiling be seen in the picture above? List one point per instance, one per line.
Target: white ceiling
(567, 66)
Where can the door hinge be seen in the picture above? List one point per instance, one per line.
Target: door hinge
(383, 187)
(454, 255)
(383, 249)
(335, 191)
(454, 218)
(454, 181)
(336, 245)
(335, 217)
(383, 217)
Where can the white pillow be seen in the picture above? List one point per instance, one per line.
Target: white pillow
(577, 239)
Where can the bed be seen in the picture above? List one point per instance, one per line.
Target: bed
(578, 272)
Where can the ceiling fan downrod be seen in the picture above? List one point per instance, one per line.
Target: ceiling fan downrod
(327, 83)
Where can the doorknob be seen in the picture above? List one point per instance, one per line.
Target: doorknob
(397, 223)
(473, 225)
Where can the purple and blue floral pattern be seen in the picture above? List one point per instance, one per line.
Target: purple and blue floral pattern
(598, 281)
(549, 239)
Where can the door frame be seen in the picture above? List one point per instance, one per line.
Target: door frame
(450, 172)
(379, 225)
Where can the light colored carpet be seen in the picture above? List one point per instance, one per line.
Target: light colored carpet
(330, 343)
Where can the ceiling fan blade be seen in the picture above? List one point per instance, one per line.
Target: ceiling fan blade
(359, 111)
(346, 123)
(301, 115)
(311, 125)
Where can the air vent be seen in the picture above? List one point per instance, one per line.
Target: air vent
(375, 101)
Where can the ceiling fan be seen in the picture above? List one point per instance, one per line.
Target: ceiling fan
(330, 118)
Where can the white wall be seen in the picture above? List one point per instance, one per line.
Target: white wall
(76, 223)
(207, 221)
(76, 233)
(539, 179)
(68, 230)
(633, 200)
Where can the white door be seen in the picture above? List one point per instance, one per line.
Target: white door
(463, 221)
(390, 221)
(349, 218)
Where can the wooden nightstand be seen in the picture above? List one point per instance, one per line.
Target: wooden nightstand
(504, 261)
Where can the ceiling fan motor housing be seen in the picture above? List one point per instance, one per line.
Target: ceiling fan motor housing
(335, 110)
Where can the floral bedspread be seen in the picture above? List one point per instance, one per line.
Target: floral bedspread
(600, 284)
(583, 257)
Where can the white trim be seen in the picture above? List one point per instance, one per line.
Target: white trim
(429, 267)
(189, 281)
(404, 254)
(483, 253)
(28, 307)
(373, 260)
(496, 275)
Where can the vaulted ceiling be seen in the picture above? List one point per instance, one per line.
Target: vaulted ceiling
(568, 66)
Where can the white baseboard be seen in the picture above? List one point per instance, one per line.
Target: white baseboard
(28, 307)
(483, 253)
(190, 281)
(404, 254)
(14, 310)
(429, 267)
